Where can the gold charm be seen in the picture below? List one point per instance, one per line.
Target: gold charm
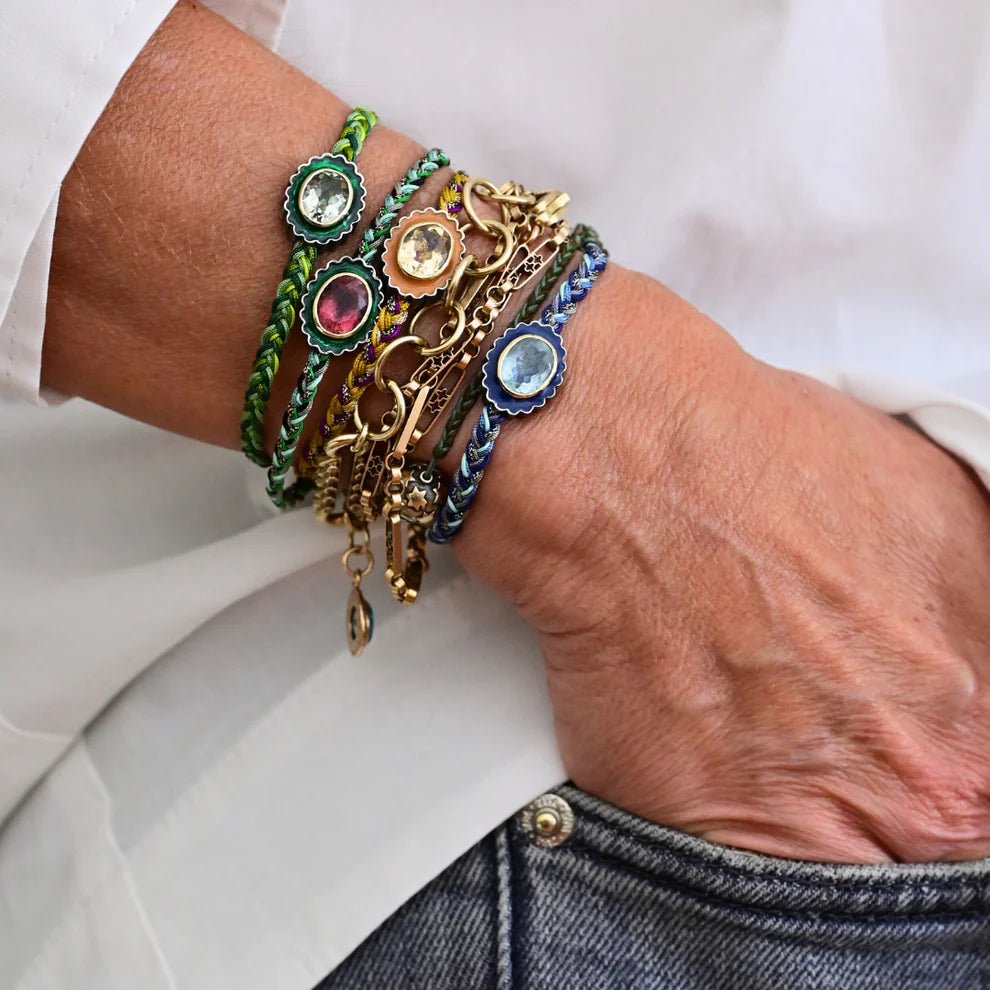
(359, 617)
(405, 558)
(422, 495)
(360, 620)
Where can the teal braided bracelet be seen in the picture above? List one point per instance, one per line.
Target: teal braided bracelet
(339, 308)
(323, 202)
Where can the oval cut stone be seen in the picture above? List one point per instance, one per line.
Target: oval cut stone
(527, 366)
(325, 197)
(424, 250)
(342, 305)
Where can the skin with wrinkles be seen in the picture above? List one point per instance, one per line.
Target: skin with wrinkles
(762, 605)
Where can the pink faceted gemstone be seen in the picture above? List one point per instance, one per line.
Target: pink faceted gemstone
(343, 305)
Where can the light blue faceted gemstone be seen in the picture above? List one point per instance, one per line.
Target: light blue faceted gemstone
(527, 366)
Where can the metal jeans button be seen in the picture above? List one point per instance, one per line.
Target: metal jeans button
(548, 821)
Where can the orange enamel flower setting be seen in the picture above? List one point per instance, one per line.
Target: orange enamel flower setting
(422, 252)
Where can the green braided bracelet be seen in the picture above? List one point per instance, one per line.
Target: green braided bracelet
(536, 300)
(337, 174)
(321, 341)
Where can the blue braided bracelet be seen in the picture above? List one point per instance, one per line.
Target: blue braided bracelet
(522, 370)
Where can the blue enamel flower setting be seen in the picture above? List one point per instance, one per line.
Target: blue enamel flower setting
(324, 199)
(524, 368)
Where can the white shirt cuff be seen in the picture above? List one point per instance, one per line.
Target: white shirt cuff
(22, 329)
(60, 62)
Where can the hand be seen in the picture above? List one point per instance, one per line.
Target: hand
(763, 606)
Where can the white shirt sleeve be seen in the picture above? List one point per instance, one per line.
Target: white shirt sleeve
(60, 61)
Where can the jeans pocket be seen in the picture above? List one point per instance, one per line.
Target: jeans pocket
(627, 903)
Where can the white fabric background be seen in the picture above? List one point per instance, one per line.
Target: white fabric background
(202, 790)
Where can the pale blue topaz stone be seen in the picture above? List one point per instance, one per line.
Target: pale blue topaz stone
(527, 366)
(524, 368)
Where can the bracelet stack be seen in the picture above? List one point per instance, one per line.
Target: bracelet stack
(417, 311)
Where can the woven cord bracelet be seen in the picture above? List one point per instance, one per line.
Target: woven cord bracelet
(502, 402)
(317, 362)
(287, 295)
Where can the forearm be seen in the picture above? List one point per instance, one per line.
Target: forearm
(171, 238)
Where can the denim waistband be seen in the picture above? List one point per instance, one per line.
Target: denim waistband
(766, 883)
(625, 903)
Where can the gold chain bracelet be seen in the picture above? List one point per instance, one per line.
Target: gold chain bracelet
(527, 239)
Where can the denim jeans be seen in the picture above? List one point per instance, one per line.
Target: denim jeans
(626, 903)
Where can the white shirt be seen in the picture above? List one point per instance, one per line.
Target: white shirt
(201, 788)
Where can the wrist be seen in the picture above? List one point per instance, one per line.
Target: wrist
(558, 514)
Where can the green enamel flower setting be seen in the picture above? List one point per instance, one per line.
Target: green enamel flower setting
(324, 199)
(341, 305)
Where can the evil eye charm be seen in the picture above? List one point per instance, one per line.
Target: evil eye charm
(524, 368)
(324, 199)
(340, 306)
(359, 622)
